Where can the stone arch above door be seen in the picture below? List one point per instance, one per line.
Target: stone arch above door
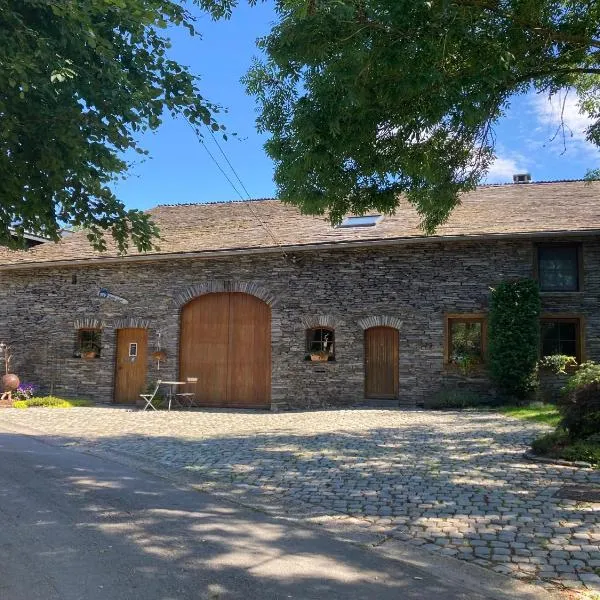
(215, 287)
(380, 321)
(131, 323)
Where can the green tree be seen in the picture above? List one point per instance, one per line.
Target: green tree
(80, 80)
(514, 336)
(367, 99)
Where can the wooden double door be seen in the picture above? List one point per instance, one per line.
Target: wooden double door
(381, 362)
(225, 342)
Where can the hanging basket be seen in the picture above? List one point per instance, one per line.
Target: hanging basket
(159, 355)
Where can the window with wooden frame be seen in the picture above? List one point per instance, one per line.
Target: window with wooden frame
(88, 343)
(558, 267)
(561, 334)
(320, 344)
(465, 341)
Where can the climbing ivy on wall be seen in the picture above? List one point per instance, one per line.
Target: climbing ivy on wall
(514, 337)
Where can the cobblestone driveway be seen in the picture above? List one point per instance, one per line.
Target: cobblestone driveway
(453, 483)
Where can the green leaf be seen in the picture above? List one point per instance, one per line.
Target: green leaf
(79, 81)
(366, 100)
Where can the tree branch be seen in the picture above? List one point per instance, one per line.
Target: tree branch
(554, 35)
(574, 70)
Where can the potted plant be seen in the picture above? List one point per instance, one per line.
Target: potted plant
(10, 381)
(319, 356)
(89, 350)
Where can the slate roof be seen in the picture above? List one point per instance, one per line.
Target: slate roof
(515, 209)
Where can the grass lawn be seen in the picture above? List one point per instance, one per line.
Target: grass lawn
(539, 413)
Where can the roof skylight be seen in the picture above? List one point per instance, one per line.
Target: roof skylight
(361, 221)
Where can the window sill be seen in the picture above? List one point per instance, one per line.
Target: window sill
(557, 293)
(319, 362)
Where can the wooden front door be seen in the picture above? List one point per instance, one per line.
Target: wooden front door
(381, 362)
(131, 365)
(226, 343)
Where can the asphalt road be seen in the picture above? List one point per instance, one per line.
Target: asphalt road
(75, 526)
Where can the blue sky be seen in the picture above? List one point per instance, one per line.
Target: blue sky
(180, 170)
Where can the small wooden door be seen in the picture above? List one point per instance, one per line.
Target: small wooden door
(131, 365)
(226, 343)
(381, 362)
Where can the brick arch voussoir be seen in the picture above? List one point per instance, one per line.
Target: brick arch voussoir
(131, 323)
(215, 287)
(316, 321)
(88, 323)
(380, 321)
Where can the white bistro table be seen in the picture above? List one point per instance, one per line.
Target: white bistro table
(172, 389)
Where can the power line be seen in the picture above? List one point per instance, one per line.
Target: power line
(215, 160)
(228, 161)
(264, 225)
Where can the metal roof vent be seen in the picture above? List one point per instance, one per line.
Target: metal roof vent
(522, 178)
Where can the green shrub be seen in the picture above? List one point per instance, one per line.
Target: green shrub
(593, 439)
(559, 445)
(588, 372)
(583, 451)
(50, 402)
(159, 401)
(557, 363)
(453, 398)
(580, 411)
(551, 442)
(514, 337)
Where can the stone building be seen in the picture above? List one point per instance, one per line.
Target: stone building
(269, 308)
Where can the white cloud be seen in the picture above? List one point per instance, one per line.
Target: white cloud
(562, 109)
(503, 168)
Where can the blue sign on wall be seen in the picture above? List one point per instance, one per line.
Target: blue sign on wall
(104, 293)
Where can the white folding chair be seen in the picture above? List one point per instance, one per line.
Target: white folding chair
(149, 397)
(188, 396)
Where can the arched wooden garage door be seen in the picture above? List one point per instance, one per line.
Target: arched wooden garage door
(226, 343)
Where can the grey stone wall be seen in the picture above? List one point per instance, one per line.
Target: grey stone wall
(410, 286)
